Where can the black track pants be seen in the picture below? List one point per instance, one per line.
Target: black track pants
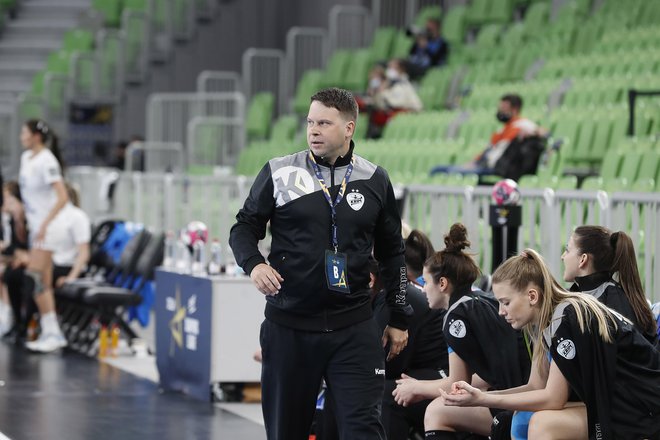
(352, 362)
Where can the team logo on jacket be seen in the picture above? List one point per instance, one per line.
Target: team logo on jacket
(566, 349)
(355, 200)
(457, 328)
(291, 182)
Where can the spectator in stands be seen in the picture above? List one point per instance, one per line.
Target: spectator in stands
(394, 94)
(516, 127)
(429, 50)
(585, 348)
(376, 79)
(72, 239)
(397, 93)
(44, 195)
(470, 328)
(15, 257)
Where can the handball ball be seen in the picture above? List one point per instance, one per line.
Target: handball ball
(194, 232)
(505, 192)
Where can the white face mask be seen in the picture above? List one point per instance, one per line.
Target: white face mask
(374, 83)
(392, 74)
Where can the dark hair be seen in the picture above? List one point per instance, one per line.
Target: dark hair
(340, 99)
(514, 100)
(48, 138)
(418, 249)
(13, 188)
(73, 193)
(451, 262)
(615, 253)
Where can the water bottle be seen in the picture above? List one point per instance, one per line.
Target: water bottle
(170, 249)
(182, 257)
(215, 263)
(198, 258)
(230, 267)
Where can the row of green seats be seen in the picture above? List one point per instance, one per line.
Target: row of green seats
(594, 65)
(628, 171)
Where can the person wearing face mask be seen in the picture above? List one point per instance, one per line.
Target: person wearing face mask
(429, 50)
(398, 93)
(516, 129)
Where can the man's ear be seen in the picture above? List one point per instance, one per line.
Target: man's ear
(350, 129)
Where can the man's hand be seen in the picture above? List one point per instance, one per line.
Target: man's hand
(266, 279)
(398, 339)
(405, 392)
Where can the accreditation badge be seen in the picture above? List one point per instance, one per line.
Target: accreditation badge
(335, 271)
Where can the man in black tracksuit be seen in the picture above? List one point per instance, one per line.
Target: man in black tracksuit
(328, 209)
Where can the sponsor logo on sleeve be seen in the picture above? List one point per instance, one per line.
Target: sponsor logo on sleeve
(457, 328)
(566, 349)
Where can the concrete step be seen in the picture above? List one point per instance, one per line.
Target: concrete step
(25, 67)
(15, 86)
(39, 27)
(51, 9)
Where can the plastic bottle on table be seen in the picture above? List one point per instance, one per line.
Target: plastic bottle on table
(215, 262)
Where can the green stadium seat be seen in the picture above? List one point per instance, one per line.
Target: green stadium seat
(501, 11)
(360, 64)
(110, 10)
(454, 25)
(536, 18)
(402, 45)
(650, 166)
(477, 13)
(381, 45)
(426, 13)
(335, 72)
(78, 40)
(284, 129)
(310, 83)
(259, 115)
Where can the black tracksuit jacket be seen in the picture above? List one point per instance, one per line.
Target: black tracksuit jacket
(287, 193)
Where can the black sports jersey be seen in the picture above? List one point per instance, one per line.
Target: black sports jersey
(426, 347)
(619, 382)
(483, 339)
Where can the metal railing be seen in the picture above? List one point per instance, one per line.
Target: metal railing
(154, 157)
(548, 218)
(214, 141)
(212, 81)
(306, 48)
(264, 70)
(169, 201)
(350, 27)
(168, 114)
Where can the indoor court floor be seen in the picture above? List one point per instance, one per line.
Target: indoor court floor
(67, 396)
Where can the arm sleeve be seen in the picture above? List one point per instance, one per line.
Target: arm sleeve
(51, 171)
(588, 363)
(388, 250)
(251, 221)
(82, 229)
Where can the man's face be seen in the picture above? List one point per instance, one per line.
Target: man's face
(505, 107)
(327, 131)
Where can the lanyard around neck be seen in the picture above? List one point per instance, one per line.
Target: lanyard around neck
(328, 198)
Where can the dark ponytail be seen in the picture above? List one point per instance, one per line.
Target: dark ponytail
(418, 248)
(452, 263)
(625, 264)
(48, 138)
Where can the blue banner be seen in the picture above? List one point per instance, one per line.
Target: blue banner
(183, 333)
